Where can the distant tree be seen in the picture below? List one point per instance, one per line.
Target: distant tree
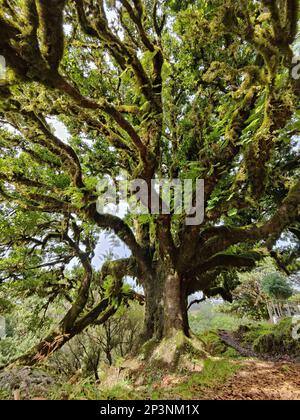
(277, 286)
(249, 299)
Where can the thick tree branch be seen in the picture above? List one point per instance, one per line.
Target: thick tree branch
(225, 237)
(123, 231)
(225, 260)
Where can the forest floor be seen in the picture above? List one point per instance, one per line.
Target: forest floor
(241, 374)
(237, 378)
(259, 380)
(220, 379)
(245, 379)
(262, 378)
(234, 371)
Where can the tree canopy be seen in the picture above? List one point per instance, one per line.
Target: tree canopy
(158, 89)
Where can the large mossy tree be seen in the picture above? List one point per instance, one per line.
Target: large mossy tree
(168, 89)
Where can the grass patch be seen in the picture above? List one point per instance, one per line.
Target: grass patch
(87, 389)
(212, 343)
(214, 346)
(214, 373)
(5, 395)
(120, 392)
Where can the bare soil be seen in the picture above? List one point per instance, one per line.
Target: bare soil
(260, 380)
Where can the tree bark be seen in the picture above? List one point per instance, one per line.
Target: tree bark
(166, 306)
(154, 309)
(175, 306)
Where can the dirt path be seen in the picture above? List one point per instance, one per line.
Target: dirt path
(261, 380)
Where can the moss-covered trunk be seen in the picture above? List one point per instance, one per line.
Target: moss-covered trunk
(167, 340)
(166, 306)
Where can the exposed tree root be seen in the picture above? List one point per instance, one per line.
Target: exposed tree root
(177, 354)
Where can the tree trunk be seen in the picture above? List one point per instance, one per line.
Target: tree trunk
(168, 343)
(175, 306)
(166, 306)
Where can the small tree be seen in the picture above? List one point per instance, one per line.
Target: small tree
(249, 299)
(277, 286)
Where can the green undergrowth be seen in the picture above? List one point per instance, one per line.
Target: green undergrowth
(89, 390)
(159, 386)
(214, 346)
(4, 395)
(223, 363)
(271, 339)
(215, 373)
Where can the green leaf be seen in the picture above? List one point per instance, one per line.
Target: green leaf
(232, 212)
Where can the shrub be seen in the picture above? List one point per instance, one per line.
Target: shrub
(277, 286)
(273, 339)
